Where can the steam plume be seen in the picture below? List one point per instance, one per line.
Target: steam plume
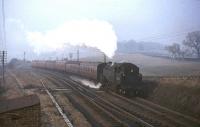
(93, 33)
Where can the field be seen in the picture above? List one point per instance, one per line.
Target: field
(155, 66)
(161, 66)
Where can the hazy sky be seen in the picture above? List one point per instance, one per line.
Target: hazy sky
(163, 21)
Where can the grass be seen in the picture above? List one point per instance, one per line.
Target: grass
(181, 95)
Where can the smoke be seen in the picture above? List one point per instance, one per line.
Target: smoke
(86, 82)
(93, 33)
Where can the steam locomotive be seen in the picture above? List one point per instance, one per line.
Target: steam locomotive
(123, 78)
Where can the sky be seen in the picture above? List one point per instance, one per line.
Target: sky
(162, 21)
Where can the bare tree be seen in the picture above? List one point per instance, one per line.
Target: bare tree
(183, 53)
(193, 41)
(174, 49)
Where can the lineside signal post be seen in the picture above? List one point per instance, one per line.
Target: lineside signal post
(3, 59)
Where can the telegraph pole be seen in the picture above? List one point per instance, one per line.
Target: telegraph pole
(70, 56)
(3, 57)
(3, 52)
(104, 57)
(78, 55)
(24, 57)
(3, 65)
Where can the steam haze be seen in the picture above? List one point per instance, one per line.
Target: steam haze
(92, 33)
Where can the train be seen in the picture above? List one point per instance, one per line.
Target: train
(123, 78)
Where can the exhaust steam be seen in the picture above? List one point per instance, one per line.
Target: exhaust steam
(93, 33)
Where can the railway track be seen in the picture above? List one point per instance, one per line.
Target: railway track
(118, 115)
(18, 82)
(126, 111)
(162, 116)
(167, 112)
(69, 124)
(76, 98)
